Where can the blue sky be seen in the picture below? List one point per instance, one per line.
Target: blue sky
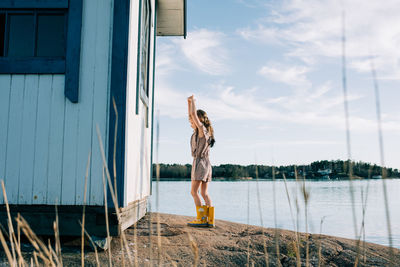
(268, 73)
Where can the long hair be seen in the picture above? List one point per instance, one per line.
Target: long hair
(207, 123)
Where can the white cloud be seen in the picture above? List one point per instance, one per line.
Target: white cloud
(226, 103)
(165, 62)
(291, 75)
(206, 50)
(312, 29)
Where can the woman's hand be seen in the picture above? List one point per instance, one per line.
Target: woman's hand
(191, 98)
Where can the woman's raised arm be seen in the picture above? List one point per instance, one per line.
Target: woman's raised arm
(193, 114)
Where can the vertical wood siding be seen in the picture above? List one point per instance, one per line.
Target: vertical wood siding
(45, 139)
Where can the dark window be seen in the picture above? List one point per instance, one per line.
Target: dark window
(32, 34)
(21, 35)
(2, 32)
(50, 35)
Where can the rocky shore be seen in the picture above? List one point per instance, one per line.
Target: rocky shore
(228, 244)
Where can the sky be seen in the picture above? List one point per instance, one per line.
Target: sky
(269, 75)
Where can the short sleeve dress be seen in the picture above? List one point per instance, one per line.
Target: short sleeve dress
(201, 168)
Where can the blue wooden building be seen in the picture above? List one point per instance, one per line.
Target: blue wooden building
(63, 63)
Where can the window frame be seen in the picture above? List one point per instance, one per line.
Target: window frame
(34, 64)
(68, 65)
(141, 91)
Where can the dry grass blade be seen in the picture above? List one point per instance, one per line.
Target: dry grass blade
(83, 214)
(107, 226)
(347, 121)
(10, 225)
(248, 223)
(298, 261)
(7, 250)
(115, 167)
(306, 196)
(150, 234)
(171, 261)
(19, 244)
(195, 250)
(35, 258)
(115, 146)
(290, 203)
(21, 261)
(295, 227)
(261, 216)
(278, 262)
(57, 238)
(45, 253)
(121, 243)
(135, 234)
(113, 196)
(93, 245)
(320, 242)
(382, 156)
(53, 253)
(158, 189)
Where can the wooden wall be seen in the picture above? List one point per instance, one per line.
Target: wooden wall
(45, 139)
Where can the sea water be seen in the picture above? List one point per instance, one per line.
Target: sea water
(330, 205)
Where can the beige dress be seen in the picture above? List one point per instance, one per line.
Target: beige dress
(201, 168)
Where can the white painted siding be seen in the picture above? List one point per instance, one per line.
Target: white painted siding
(44, 138)
(138, 137)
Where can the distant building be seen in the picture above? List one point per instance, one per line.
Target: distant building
(63, 65)
(325, 173)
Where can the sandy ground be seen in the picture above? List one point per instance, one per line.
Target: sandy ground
(228, 244)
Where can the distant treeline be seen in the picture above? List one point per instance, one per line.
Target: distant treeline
(339, 169)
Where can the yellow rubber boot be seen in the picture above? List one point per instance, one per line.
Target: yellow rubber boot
(201, 220)
(211, 220)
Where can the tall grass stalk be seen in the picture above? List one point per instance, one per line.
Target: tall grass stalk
(21, 261)
(157, 190)
(261, 218)
(107, 222)
(278, 262)
(382, 156)
(83, 214)
(295, 227)
(115, 168)
(298, 260)
(320, 242)
(57, 237)
(10, 224)
(44, 252)
(248, 223)
(93, 245)
(306, 196)
(135, 246)
(150, 234)
(347, 122)
(10, 258)
(113, 196)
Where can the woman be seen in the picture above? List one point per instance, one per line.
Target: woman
(201, 141)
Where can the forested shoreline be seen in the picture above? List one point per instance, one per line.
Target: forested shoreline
(333, 169)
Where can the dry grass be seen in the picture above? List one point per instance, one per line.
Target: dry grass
(53, 257)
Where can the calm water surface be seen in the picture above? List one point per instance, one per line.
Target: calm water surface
(329, 201)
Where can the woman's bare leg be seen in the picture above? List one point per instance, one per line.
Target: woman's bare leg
(204, 193)
(195, 192)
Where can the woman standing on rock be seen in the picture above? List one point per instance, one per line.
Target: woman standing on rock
(201, 141)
